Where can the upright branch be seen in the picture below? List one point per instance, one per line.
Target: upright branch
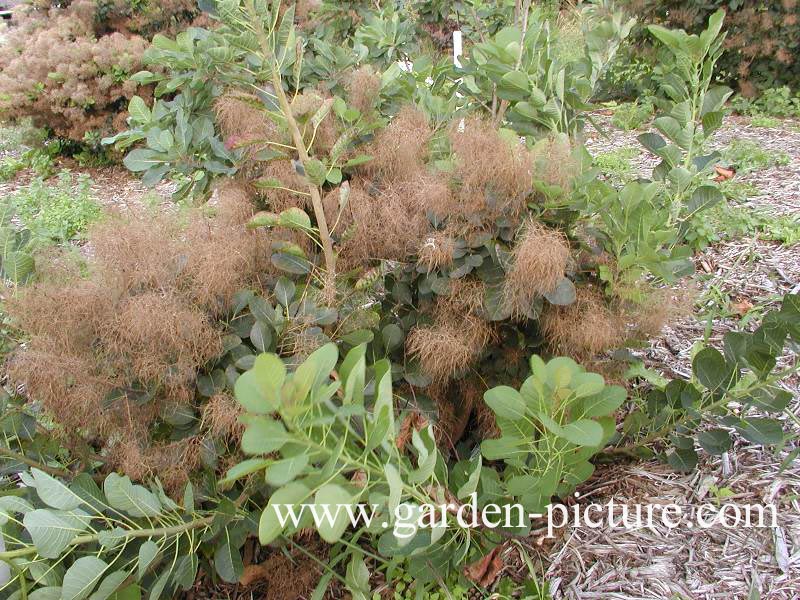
(297, 137)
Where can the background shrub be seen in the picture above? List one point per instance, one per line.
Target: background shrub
(632, 115)
(761, 50)
(69, 66)
(631, 74)
(773, 102)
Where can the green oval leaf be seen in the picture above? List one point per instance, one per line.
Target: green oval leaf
(335, 498)
(714, 441)
(294, 218)
(506, 402)
(583, 432)
(81, 577)
(274, 518)
(711, 370)
(132, 499)
(51, 531)
(683, 459)
(53, 492)
(291, 263)
(285, 470)
(227, 560)
(147, 553)
(243, 469)
(761, 430)
(138, 110)
(563, 294)
(263, 435)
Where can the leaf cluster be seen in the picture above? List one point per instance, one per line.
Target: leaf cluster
(697, 412)
(124, 541)
(550, 428)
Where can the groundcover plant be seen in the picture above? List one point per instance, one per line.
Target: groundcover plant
(393, 314)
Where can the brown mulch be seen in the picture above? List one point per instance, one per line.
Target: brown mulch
(779, 186)
(694, 563)
(745, 275)
(118, 189)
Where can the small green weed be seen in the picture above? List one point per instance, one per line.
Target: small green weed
(9, 335)
(152, 199)
(726, 222)
(59, 211)
(9, 138)
(784, 229)
(632, 115)
(779, 102)
(533, 589)
(747, 156)
(41, 159)
(737, 191)
(39, 152)
(28, 148)
(92, 153)
(36, 159)
(773, 102)
(617, 164)
(403, 589)
(20, 136)
(9, 167)
(721, 494)
(764, 121)
(718, 302)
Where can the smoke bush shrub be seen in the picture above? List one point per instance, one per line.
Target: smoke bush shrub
(69, 68)
(115, 345)
(439, 221)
